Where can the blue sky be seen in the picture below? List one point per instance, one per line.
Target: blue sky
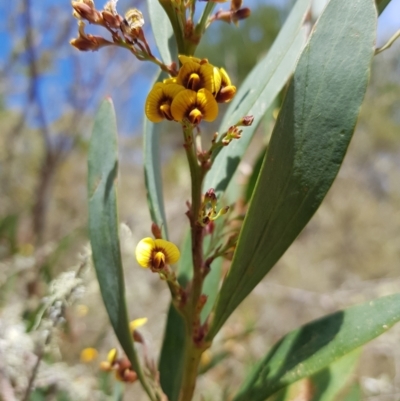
(55, 85)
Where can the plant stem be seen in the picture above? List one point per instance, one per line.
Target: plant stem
(194, 346)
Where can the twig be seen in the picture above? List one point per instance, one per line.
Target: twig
(36, 367)
(388, 43)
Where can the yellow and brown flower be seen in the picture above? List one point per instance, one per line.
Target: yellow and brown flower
(194, 106)
(195, 76)
(158, 102)
(156, 253)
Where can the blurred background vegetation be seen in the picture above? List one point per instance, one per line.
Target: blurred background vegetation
(350, 252)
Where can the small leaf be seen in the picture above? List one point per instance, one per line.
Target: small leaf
(103, 223)
(152, 170)
(163, 33)
(257, 93)
(307, 147)
(309, 349)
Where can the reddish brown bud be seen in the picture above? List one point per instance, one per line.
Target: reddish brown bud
(87, 12)
(236, 4)
(113, 21)
(129, 376)
(210, 196)
(242, 13)
(245, 121)
(156, 231)
(89, 42)
(137, 337)
(123, 363)
(225, 16)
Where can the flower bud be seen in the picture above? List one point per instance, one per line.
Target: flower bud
(240, 14)
(113, 21)
(87, 12)
(245, 121)
(236, 4)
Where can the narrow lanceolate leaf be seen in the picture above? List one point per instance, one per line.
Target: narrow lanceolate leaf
(257, 93)
(162, 31)
(103, 223)
(152, 170)
(311, 348)
(307, 146)
(326, 385)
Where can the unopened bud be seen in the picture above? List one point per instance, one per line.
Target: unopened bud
(245, 121)
(240, 14)
(156, 231)
(89, 42)
(87, 12)
(226, 94)
(123, 364)
(113, 21)
(225, 16)
(236, 4)
(210, 196)
(129, 376)
(105, 366)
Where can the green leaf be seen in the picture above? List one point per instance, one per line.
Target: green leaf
(152, 170)
(170, 365)
(309, 349)
(326, 385)
(251, 184)
(354, 393)
(257, 93)
(163, 33)
(211, 286)
(307, 147)
(381, 5)
(103, 223)
(331, 381)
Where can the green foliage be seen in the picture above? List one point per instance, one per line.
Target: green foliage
(307, 147)
(309, 349)
(257, 93)
(104, 225)
(162, 31)
(152, 170)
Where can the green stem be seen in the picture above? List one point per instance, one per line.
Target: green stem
(194, 346)
(389, 43)
(190, 366)
(176, 24)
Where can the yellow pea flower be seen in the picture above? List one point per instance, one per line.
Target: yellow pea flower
(156, 253)
(195, 76)
(158, 102)
(88, 355)
(135, 324)
(195, 106)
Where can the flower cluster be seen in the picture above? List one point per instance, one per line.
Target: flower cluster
(192, 95)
